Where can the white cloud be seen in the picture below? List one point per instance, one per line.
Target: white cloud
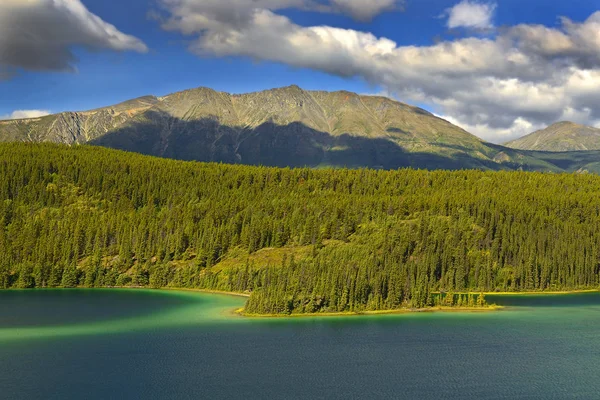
(24, 114)
(40, 34)
(579, 42)
(526, 76)
(471, 14)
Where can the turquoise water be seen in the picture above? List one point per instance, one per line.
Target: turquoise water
(49, 314)
(152, 344)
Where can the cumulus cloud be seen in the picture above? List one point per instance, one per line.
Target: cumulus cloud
(524, 76)
(24, 114)
(40, 34)
(578, 42)
(471, 14)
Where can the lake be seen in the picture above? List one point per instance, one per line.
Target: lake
(101, 344)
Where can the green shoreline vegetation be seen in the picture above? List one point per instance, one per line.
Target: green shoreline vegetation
(296, 241)
(433, 309)
(543, 292)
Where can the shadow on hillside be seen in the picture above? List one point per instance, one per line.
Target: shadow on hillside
(570, 161)
(294, 145)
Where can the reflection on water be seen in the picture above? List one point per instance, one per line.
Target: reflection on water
(546, 300)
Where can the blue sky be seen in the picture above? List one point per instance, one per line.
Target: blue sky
(155, 56)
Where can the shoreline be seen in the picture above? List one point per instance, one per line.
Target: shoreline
(207, 291)
(544, 292)
(166, 289)
(247, 295)
(240, 312)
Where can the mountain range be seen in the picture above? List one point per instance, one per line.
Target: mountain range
(290, 127)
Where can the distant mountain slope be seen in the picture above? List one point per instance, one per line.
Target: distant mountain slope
(560, 137)
(574, 161)
(280, 127)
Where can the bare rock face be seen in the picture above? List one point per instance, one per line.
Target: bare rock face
(280, 127)
(74, 127)
(560, 137)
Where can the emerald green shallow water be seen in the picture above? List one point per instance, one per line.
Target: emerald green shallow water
(152, 344)
(55, 313)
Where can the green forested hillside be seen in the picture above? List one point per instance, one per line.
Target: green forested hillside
(298, 240)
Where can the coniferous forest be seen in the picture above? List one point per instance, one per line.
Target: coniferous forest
(296, 240)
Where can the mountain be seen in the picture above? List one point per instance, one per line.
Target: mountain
(280, 127)
(560, 137)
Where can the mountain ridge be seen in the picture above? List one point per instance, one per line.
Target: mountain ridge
(285, 126)
(562, 136)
